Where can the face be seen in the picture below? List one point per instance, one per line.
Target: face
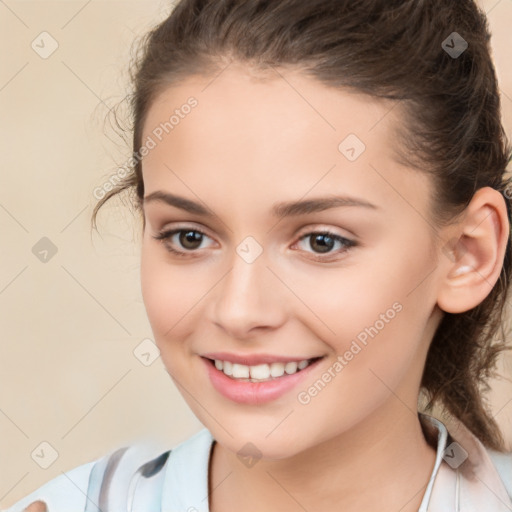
(260, 284)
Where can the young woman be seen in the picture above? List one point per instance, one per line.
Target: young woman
(325, 257)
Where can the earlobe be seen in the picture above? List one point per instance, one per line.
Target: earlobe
(478, 253)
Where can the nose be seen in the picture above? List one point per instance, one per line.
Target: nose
(249, 299)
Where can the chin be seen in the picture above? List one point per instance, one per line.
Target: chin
(258, 444)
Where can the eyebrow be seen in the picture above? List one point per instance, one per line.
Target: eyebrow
(279, 210)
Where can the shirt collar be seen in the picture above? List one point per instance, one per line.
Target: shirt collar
(186, 480)
(464, 477)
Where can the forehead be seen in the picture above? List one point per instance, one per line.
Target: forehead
(276, 100)
(281, 131)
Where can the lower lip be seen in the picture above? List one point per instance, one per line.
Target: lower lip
(254, 393)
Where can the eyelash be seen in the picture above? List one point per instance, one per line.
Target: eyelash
(163, 236)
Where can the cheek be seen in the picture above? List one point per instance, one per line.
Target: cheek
(378, 343)
(175, 296)
(167, 291)
(373, 314)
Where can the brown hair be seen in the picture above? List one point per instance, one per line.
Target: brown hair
(393, 49)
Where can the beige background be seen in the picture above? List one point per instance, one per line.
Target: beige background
(69, 326)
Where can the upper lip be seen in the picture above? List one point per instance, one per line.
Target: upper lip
(254, 359)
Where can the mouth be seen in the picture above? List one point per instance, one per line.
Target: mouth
(262, 372)
(257, 379)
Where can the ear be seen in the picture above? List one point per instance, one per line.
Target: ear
(476, 252)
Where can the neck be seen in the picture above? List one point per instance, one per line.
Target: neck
(384, 463)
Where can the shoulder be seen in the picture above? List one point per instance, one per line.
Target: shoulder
(81, 488)
(65, 492)
(502, 461)
(141, 476)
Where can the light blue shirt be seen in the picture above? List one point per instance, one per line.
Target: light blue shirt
(466, 477)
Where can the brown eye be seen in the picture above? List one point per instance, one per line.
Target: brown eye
(182, 242)
(190, 239)
(324, 242)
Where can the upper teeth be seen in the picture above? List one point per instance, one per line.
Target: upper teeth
(260, 371)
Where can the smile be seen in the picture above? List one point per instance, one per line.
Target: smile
(260, 372)
(259, 382)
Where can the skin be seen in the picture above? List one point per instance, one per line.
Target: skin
(250, 143)
(37, 506)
